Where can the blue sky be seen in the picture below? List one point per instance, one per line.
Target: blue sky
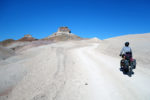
(85, 18)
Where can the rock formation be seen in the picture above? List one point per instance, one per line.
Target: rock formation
(63, 33)
(27, 37)
(64, 29)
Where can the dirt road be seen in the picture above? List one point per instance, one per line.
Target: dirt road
(107, 82)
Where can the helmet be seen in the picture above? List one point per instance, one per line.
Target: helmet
(126, 44)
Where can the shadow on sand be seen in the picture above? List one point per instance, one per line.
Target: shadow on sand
(130, 73)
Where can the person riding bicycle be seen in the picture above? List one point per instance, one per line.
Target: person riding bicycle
(126, 52)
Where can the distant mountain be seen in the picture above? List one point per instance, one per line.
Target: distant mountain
(62, 34)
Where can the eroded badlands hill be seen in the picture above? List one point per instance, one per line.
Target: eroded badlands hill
(76, 70)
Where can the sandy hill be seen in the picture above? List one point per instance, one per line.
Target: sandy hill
(95, 39)
(140, 44)
(63, 37)
(77, 70)
(5, 53)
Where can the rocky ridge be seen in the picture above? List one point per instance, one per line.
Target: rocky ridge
(27, 37)
(63, 34)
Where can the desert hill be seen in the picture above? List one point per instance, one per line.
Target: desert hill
(5, 53)
(140, 44)
(63, 34)
(7, 42)
(77, 70)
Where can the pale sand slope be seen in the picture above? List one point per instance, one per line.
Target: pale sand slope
(75, 70)
(5, 53)
(139, 43)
